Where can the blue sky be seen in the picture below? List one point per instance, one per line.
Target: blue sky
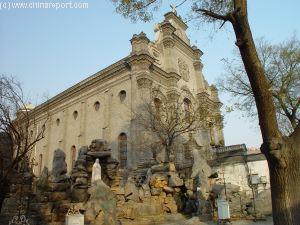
(49, 50)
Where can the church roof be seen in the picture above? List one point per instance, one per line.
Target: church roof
(86, 82)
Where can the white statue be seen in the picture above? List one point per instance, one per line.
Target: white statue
(157, 32)
(96, 173)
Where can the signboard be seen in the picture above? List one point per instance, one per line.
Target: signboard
(77, 219)
(254, 179)
(223, 209)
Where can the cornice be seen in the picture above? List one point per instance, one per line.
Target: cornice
(140, 57)
(178, 19)
(172, 75)
(204, 96)
(79, 87)
(92, 81)
(184, 46)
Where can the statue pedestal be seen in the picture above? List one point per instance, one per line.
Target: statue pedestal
(77, 219)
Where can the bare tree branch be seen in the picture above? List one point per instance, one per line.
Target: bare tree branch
(16, 124)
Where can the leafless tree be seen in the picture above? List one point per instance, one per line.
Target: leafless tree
(19, 133)
(169, 118)
(282, 152)
(282, 65)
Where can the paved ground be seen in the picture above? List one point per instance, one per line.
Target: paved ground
(269, 221)
(180, 220)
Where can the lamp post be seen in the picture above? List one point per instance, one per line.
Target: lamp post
(254, 182)
(222, 204)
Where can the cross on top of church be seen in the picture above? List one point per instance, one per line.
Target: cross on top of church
(173, 7)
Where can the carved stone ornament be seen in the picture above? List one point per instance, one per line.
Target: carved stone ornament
(144, 82)
(183, 69)
(156, 54)
(73, 211)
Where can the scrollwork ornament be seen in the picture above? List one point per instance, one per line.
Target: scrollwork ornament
(73, 211)
(183, 69)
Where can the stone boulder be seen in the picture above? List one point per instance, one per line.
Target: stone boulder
(98, 145)
(175, 180)
(160, 168)
(134, 210)
(200, 172)
(131, 191)
(42, 183)
(219, 189)
(170, 205)
(101, 207)
(194, 221)
(59, 167)
(79, 195)
(80, 177)
(82, 152)
(263, 204)
(158, 180)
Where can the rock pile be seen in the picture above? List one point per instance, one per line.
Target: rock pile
(151, 189)
(263, 205)
(52, 197)
(101, 206)
(164, 190)
(81, 173)
(80, 177)
(241, 202)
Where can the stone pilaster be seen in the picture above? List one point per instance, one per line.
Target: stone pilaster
(139, 43)
(168, 44)
(107, 115)
(82, 132)
(198, 66)
(65, 127)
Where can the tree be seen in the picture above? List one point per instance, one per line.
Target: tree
(282, 152)
(165, 120)
(281, 64)
(19, 133)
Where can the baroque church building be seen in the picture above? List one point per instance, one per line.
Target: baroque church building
(102, 106)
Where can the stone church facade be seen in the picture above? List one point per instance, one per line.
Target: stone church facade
(102, 106)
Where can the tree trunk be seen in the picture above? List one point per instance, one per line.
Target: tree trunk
(285, 183)
(168, 153)
(282, 153)
(255, 72)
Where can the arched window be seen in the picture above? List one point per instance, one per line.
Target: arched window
(75, 114)
(57, 121)
(187, 104)
(40, 165)
(122, 141)
(97, 105)
(73, 156)
(122, 95)
(157, 105)
(187, 107)
(212, 136)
